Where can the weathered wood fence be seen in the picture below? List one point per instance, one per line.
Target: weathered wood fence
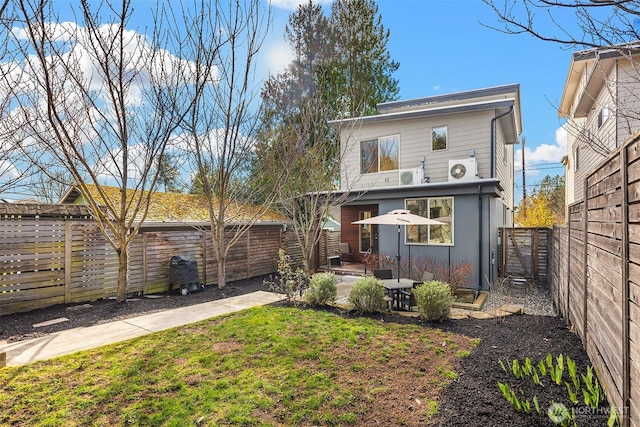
(595, 275)
(524, 252)
(46, 260)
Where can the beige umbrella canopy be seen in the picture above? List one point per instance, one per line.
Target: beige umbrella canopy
(399, 217)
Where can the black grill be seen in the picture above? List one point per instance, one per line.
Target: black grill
(183, 272)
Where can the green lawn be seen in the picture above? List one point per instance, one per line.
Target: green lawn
(264, 366)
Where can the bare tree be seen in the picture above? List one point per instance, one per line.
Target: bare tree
(13, 172)
(579, 24)
(310, 190)
(49, 187)
(219, 129)
(341, 68)
(595, 29)
(101, 101)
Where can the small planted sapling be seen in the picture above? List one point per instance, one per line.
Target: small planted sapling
(515, 368)
(573, 373)
(542, 368)
(592, 391)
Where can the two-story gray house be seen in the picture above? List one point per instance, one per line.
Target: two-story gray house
(601, 105)
(447, 157)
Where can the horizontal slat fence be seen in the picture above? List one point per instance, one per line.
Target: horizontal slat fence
(524, 252)
(46, 261)
(595, 275)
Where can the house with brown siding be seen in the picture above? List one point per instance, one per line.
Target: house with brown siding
(447, 156)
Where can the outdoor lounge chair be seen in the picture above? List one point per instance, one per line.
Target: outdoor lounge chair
(383, 274)
(426, 277)
(345, 252)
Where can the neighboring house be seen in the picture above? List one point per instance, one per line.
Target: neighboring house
(446, 156)
(175, 208)
(601, 105)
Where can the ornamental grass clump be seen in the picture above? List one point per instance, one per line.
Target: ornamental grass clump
(322, 289)
(367, 295)
(434, 300)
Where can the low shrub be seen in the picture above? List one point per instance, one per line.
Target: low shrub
(367, 295)
(322, 289)
(290, 281)
(434, 300)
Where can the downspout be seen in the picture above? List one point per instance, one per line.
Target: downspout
(491, 175)
(493, 140)
(479, 240)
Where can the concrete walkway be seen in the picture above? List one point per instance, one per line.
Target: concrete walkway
(78, 339)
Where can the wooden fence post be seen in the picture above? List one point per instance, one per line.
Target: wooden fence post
(585, 244)
(204, 257)
(68, 253)
(535, 253)
(145, 264)
(626, 348)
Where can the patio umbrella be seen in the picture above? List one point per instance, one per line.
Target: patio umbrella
(399, 217)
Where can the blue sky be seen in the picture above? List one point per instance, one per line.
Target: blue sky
(442, 48)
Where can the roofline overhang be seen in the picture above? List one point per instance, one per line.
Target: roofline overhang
(493, 186)
(426, 112)
(598, 59)
(454, 96)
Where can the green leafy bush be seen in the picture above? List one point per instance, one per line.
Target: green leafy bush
(434, 300)
(322, 289)
(367, 295)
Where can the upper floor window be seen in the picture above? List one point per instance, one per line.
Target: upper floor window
(379, 155)
(603, 115)
(435, 208)
(576, 159)
(439, 138)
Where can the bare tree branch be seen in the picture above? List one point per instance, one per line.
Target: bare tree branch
(220, 128)
(96, 99)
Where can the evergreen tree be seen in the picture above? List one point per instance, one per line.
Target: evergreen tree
(341, 68)
(197, 181)
(552, 188)
(169, 174)
(364, 65)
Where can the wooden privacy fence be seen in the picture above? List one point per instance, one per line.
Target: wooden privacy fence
(524, 252)
(595, 275)
(46, 261)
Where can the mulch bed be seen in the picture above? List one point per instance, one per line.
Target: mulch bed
(472, 399)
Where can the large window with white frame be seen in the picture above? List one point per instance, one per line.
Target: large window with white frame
(438, 208)
(380, 154)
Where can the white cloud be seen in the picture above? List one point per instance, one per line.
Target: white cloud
(278, 57)
(108, 168)
(8, 172)
(545, 153)
(293, 4)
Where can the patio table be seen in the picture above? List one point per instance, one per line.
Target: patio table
(394, 288)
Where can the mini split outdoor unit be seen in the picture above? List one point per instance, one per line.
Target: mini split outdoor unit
(410, 176)
(463, 169)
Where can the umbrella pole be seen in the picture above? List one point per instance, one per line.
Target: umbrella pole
(398, 256)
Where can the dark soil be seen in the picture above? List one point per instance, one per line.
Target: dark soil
(472, 399)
